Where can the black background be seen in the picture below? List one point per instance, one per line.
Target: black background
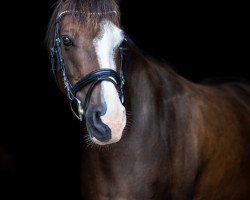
(40, 139)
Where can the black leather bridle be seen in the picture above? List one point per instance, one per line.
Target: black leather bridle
(93, 78)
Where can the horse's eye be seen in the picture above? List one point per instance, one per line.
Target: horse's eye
(124, 44)
(67, 41)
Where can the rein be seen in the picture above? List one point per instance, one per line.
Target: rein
(92, 78)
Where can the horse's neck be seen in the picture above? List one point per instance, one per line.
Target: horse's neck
(152, 96)
(155, 95)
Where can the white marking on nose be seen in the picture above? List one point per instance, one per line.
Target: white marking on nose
(105, 44)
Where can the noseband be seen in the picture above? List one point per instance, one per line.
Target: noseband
(91, 79)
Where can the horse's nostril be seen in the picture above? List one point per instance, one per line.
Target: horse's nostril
(101, 110)
(98, 115)
(100, 130)
(97, 118)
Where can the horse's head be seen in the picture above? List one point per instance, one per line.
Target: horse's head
(87, 64)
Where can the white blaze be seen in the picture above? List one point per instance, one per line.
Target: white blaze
(105, 44)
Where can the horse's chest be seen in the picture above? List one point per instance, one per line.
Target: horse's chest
(123, 183)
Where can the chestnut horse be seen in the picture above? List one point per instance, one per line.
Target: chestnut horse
(158, 135)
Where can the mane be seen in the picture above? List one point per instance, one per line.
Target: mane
(89, 12)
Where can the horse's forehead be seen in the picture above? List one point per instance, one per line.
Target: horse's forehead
(78, 28)
(107, 28)
(70, 24)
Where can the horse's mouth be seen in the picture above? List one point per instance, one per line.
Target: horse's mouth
(102, 143)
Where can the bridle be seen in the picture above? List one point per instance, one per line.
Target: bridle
(92, 78)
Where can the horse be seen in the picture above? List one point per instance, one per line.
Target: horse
(151, 133)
